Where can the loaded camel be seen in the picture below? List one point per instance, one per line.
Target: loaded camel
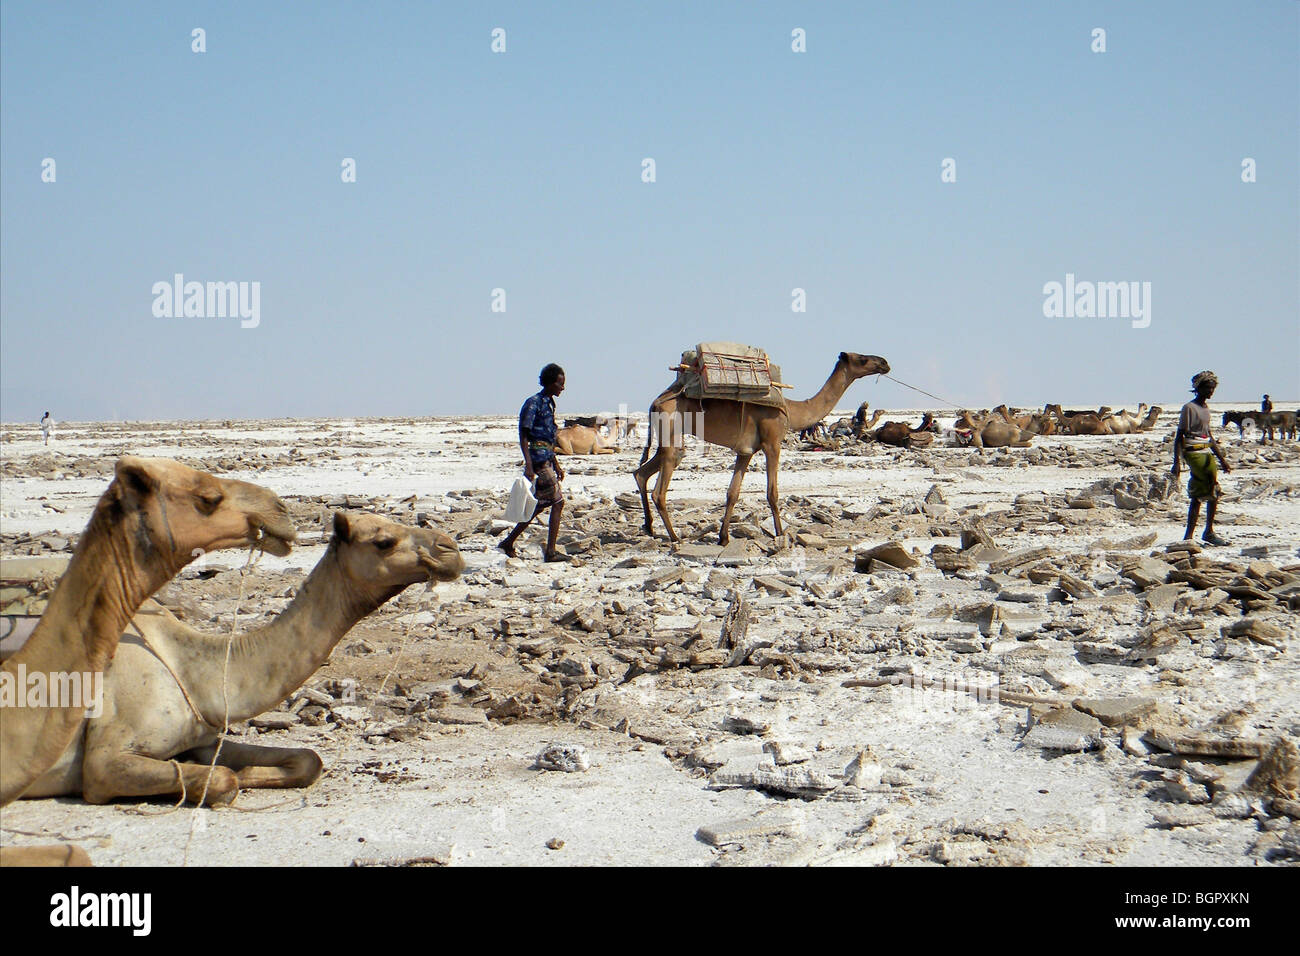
(169, 694)
(155, 518)
(744, 428)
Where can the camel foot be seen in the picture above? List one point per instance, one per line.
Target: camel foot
(509, 549)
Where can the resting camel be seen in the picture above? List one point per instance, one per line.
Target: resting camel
(581, 440)
(164, 697)
(993, 432)
(744, 428)
(903, 435)
(1149, 422)
(1079, 423)
(156, 517)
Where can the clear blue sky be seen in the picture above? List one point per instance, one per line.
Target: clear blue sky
(522, 171)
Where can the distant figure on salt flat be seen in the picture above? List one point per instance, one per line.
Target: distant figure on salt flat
(47, 427)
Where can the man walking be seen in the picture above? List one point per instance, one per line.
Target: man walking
(1194, 444)
(537, 441)
(47, 426)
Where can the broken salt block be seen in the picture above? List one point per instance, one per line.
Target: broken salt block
(799, 781)
(1257, 630)
(1064, 728)
(763, 825)
(1181, 815)
(863, 770)
(891, 553)
(569, 758)
(1116, 711)
(785, 752)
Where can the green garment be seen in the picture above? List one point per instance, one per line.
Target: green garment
(1204, 467)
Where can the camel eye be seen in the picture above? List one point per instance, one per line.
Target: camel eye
(209, 500)
(384, 544)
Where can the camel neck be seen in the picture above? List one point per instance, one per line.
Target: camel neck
(104, 585)
(269, 663)
(806, 413)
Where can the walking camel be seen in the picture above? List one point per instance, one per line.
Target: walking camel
(156, 517)
(169, 693)
(744, 428)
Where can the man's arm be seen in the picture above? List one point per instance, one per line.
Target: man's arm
(523, 447)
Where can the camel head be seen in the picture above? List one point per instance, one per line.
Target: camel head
(860, 366)
(381, 555)
(183, 512)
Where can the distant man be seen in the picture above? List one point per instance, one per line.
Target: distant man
(537, 442)
(1266, 406)
(47, 426)
(1194, 444)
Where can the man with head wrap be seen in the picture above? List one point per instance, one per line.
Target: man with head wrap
(1194, 444)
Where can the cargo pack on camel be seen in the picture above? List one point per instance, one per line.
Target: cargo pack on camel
(729, 370)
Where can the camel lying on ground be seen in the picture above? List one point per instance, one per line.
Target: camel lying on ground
(903, 435)
(169, 693)
(993, 432)
(155, 518)
(581, 440)
(744, 428)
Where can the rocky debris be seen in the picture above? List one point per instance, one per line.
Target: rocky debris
(567, 758)
(745, 724)
(1278, 772)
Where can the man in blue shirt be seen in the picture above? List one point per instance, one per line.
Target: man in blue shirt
(537, 442)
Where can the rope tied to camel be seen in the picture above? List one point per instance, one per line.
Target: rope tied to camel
(923, 391)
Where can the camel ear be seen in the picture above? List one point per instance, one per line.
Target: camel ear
(138, 474)
(844, 356)
(342, 532)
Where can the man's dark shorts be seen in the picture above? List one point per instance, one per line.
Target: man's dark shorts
(547, 486)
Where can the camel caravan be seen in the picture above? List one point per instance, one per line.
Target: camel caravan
(167, 692)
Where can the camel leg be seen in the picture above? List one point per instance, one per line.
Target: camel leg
(773, 459)
(642, 476)
(59, 855)
(131, 775)
(671, 456)
(264, 767)
(733, 495)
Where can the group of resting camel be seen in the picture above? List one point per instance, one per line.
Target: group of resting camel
(999, 428)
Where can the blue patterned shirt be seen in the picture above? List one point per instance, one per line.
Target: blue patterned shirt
(537, 421)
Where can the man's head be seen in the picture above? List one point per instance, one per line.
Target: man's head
(1265, 399)
(1204, 384)
(552, 379)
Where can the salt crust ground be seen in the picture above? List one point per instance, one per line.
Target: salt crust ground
(473, 787)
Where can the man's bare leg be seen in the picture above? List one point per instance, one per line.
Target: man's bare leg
(508, 542)
(553, 532)
(1193, 512)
